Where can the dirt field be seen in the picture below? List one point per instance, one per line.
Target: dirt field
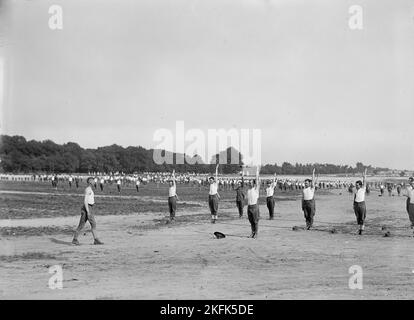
(145, 258)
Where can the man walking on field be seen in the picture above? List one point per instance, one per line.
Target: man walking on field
(270, 200)
(359, 202)
(172, 197)
(409, 193)
(213, 196)
(87, 214)
(252, 206)
(308, 200)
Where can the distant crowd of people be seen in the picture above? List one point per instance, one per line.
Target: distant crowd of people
(100, 180)
(202, 180)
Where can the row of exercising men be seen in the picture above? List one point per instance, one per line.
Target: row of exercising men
(308, 202)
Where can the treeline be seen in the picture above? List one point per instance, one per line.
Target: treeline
(18, 155)
(321, 168)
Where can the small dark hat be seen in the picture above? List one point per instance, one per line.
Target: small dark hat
(219, 235)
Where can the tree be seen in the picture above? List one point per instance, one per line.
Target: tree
(233, 161)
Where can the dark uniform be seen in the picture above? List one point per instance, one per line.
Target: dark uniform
(240, 196)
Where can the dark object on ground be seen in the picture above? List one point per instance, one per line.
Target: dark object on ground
(219, 235)
(387, 234)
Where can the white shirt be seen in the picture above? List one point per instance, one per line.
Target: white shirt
(213, 188)
(89, 196)
(252, 196)
(102, 181)
(138, 182)
(308, 193)
(118, 182)
(270, 191)
(172, 191)
(360, 195)
(410, 194)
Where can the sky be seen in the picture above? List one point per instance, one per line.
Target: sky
(118, 71)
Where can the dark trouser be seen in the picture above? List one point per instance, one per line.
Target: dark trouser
(86, 217)
(119, 187)
(172, 206)
(410, 211)
(101, 185)
(308, 207)
(360, 212)
(213, 204)
(253, 215)
(137, 188)
(270, 202)
(240, 206)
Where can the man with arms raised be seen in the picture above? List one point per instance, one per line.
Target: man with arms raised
(270, 200)
(252, 205)
(240, 196)
(359, 202)
(213, 196)
(308, 200)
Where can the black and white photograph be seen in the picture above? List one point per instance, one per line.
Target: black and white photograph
(206, 150)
